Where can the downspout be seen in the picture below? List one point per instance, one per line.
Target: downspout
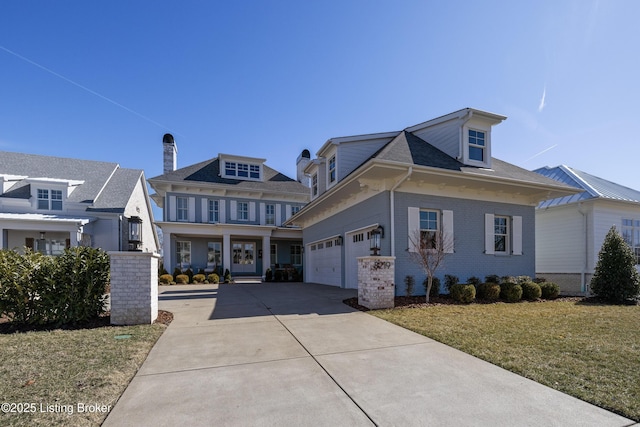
(392, 202)
(583, 273)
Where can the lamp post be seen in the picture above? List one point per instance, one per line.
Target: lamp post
(135, 234)
(376, 236)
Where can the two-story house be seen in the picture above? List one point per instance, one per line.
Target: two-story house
(227, 213)
(436, 176)
(50, 203)
(570, 230)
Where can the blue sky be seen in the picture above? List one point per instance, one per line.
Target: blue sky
(105, 80)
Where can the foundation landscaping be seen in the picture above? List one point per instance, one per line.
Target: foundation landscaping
(61, 362)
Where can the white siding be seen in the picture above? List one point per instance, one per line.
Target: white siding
(560, 240)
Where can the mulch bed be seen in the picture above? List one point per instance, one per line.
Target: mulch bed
(419, 301)
(8, 327)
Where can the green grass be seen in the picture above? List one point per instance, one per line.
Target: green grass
(67, 367)
(589, 351)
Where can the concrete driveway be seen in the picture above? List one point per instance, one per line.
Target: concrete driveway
(292, 354)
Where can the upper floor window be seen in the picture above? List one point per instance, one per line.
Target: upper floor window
(314, 185)
(182, 209)
(242, 170)
(243, 211)
(50, 199)
(332, 168)
(270, 215)
(631, 235)
(477, 145)
(295, 210)
(214, 211)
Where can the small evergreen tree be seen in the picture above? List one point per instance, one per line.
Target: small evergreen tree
(616, 278)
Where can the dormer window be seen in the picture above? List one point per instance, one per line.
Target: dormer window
(49, 199)
(477, 145)
(314, 185)
(241, 167)
(332, 169)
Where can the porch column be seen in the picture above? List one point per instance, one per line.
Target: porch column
(166, 252)
(266, 253)
(73, 237)
(226, 252)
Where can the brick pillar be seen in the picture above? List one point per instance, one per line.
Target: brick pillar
(134, 288)
(375, 281)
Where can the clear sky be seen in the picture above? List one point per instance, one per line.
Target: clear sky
(105, 80)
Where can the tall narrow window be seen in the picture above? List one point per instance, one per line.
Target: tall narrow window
(332, 168)
(274, 253)
(501, 233)
(296, 254)
(56, 200)
(476, 145)
(183, 250)
(214, 254)
(270, 214)
(314, 185)
(429, 226)
(243, 211)
(214, 211)
(182, 209)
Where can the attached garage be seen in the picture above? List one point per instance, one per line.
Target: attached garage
(357, 245)
(324, 262)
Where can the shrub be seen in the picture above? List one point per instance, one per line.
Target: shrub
(549, 290)
(182, 279)
(473, 280)
(201, 271)
(463, 293)
(508, 279)
(199, 278)
(523, 279)
(189, 273)
(268, 275)
(176, 273)
(539, 280)
(531, 291)
(510, 292)
(227, 276)
(492, 278)
(616, 278)
(165, 279)
(435, 286)
(488, 291)
(213, 278)
(409, 283)
(449, 281)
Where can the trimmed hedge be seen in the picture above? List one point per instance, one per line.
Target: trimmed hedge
(531, 291)
(165, 279)
(199, 278)
(549, 290)
(463, 293)
(182, 279)
(213, 278)
(488, 291)
(39, 290)
(510, 292)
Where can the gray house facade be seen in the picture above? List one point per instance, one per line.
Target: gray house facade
(51, 203)
(434, 177)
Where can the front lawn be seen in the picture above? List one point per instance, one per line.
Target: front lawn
(69, 377)
(589, 351)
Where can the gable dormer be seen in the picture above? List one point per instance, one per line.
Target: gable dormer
(241, 167)
(464, 135)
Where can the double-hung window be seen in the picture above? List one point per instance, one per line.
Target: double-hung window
(243, 211)
(214, 254)
(477, 145)
(501, 234)
(314, 185)
(183, 253)
(43, 199)
(214, 211)
(182, 209)
(296, 254)
(429, 227)
(49, 199)
(270, 214)
(332, 168)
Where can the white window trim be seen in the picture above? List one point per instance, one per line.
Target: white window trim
(185, 209)
(314, 185)
(487, 147)
(334, 156)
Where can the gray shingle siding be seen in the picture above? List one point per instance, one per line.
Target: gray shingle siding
(469, 258)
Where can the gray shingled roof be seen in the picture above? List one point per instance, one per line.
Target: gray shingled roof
(593, 186)
(208, 171)
(408, 148)
(106, 185)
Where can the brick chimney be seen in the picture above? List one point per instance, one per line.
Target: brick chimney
(170, 153)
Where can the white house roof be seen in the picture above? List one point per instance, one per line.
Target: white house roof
(594, 187)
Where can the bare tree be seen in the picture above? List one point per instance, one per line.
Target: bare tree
(428, 249)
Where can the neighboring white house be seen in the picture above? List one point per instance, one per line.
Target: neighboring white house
(434, 176)
(50, 203)
(227, 213)
(570, 230)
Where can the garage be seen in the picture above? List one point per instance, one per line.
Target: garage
(324, 263)
(357, 245)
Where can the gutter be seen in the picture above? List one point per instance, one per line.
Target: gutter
(392, 203)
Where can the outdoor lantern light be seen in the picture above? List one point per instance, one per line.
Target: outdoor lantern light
(375, 236)
(135, 233)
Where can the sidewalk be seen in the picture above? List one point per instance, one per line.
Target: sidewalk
(282, 354)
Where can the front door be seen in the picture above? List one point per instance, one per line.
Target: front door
(243, 255)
